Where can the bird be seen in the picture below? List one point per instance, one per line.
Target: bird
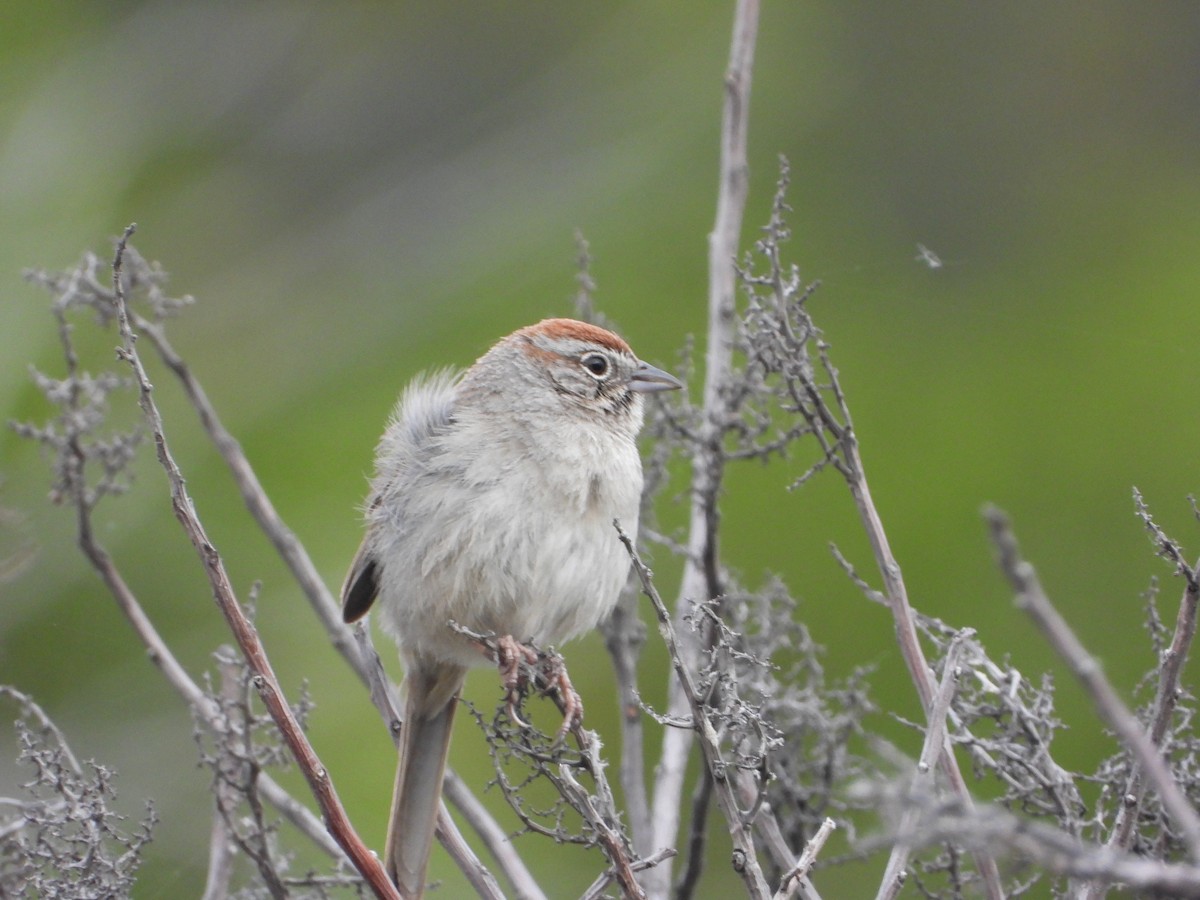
(492, 506)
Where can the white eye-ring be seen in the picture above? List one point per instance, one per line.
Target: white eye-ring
(597, 364)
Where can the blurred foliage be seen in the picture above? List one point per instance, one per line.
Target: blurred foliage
(355, 192)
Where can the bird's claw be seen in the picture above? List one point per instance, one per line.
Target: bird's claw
(510, 654)
(572, 703)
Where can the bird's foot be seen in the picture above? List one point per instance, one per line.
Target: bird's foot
(510, 653)
(550, 673)
(555, 674)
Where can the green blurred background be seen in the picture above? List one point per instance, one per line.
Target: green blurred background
(355, 192)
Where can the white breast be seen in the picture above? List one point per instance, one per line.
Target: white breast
(527, 549)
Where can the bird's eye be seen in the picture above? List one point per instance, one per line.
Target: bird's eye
(596, 363)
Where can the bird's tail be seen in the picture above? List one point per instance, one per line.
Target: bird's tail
(424, 743)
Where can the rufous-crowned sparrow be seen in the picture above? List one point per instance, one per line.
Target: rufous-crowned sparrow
(492, 506)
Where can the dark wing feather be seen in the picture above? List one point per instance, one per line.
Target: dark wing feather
(425, 410)
(361, 587)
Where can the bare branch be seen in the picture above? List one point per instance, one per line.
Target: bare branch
(355, 647)
(624, 635)
(1050, 848)
(1164, 546)
(596, 889)
(1166, 694)
(74, 442)
(509, 737)
(910, 645)
(220, 860)
(701, 578)
(82, 286)
(289, 548)
(794, 879)
(923, 780)
(745, 855)
(497, 841)
(1032, 598)
(778, 334)
(858, 581)
(246, 636)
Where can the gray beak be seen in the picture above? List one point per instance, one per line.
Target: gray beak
(648, 380)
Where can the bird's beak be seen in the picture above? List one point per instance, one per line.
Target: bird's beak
(648, 380)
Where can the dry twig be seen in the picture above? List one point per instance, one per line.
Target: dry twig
(1032, 598)
(701, 578)
(264, 679)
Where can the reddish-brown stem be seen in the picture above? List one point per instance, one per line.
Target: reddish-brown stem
(244, 633)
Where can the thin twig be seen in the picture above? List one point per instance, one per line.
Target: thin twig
(769, 831)
(780, 339)
(454, 789)
(157, 649)
(596, 888)
(1032, 598)
(300, 816)
(477, 874)
(1055, 850)
(858, 581)
(902, 614)
(608, 835)
(700, 576)
(624, 634)
(793, 880)
(264, 679)
(1166, 696)
(354, 646)
(220, 861)
(547, 675)
(222, 845)
(935, 744)
(497, 841)
(289, 548)
(161, 655)
(29, 707)
(744, 853)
